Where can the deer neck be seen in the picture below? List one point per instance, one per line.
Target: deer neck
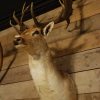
(43, 71)
(41, 66)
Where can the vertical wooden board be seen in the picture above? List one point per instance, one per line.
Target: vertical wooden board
(87, 81)
(18, 91)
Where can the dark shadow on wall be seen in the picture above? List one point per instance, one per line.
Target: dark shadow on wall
(71, 49)
(80, 24)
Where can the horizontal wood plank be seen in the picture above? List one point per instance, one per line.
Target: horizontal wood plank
(90, 96)
(18, 91)
(84, 83)
(87, 81)
(76, 44)
(76, 62)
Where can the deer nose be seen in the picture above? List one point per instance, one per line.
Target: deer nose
(17, 40)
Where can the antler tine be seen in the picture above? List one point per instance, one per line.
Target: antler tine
(62, 3)
(23, 12)
(15, 18)
(14, 27)
(33, 16)
(1, 56)
(68, 10)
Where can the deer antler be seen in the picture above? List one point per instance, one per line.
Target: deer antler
(1, 56)
(33, 16)
(20, 23)
(64, 15)
(68, 10)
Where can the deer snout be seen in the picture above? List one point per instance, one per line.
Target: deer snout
(17, 40)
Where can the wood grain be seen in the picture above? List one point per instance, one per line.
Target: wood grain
(86, 82)
(18, 91)
(89, 59)
(90, 96)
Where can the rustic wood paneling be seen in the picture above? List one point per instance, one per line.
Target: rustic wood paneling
(86, 81)
(18, 91)
(76, 44)
(91, 96)
(17, 74)
(89, 59)
(84, 64)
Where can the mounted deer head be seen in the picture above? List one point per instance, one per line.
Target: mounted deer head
(38, 32)
(49, 82)
(33, 41)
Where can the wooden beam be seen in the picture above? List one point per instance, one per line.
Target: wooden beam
(86, 82)
(18, 91)
(90, 96)
(89, 59)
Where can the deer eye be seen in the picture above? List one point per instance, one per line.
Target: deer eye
(35, 33)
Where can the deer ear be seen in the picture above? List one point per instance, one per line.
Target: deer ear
(48, 28)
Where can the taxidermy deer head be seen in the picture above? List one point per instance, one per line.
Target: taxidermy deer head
(49, 82)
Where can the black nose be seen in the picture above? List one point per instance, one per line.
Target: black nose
(17, 41)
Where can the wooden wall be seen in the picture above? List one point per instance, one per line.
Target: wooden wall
(77, 50)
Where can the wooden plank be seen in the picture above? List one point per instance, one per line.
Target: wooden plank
(76, 44)
(9, 33)
(60, 32)
(90, 96)
(76, 62)
(27, 99)
(21, 59)
(80, 61)
(18, 91)
(15, 75)
(86, 82)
